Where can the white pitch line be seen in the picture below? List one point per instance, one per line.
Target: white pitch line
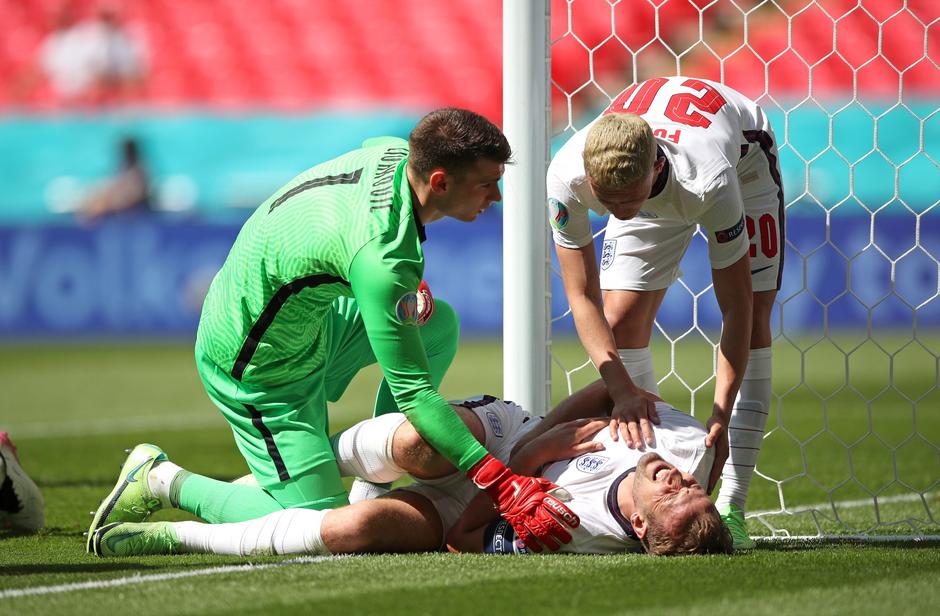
(847, 504)
(157, 577)
(117, 425)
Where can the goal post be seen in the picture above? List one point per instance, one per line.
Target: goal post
(526, 291)
(852, 446)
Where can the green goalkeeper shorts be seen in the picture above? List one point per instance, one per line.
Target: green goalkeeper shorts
(283, 431)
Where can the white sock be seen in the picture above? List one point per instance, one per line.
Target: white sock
(290, 531)
(362, 490)
(639, 365)
(746, 429)
(365, 450)
(160, 478)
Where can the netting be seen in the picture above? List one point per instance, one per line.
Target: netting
(851, 447)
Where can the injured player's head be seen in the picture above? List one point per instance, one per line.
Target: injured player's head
(672, 514)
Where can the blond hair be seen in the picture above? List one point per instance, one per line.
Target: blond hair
(701, 534)
(619, 151)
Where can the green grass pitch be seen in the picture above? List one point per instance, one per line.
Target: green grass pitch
(72, 409)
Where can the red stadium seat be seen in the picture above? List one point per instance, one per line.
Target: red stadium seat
(412, 53)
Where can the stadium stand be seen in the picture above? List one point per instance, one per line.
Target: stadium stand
(233, 86)
(301, 54)
(290, 54)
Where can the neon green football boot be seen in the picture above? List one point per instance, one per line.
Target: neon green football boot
(131, 499)
(733, 517)
(130, 539)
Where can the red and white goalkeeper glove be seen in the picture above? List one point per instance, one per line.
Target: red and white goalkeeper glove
(425, 303)
(525, 503)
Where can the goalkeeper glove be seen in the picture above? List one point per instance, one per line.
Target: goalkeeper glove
(525, 503)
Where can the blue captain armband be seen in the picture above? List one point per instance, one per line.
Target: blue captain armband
(500, 538)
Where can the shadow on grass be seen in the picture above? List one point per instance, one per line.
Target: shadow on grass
(44, 532)
(92, 567)
(104, 485)
(861, 544)
(169, 564)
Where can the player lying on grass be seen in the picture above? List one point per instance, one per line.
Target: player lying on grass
(627, 500)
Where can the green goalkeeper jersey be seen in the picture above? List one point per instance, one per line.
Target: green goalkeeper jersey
(344, 227)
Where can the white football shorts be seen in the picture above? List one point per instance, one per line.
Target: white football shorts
(643, 254)
(505, 424)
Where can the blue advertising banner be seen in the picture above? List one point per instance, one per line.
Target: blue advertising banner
(148, 276)
(133, 277)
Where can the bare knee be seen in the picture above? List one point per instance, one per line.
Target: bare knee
(349, 530)
(400, 522)
(415, 455)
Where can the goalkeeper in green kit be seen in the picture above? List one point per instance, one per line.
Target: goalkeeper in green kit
(324, 279)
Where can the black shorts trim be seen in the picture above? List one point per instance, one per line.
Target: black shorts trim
(258, 422)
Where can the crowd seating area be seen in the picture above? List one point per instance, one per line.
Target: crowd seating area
(293, 54)
(241, 94)
(307, 54)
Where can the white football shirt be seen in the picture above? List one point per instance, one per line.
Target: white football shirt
(699, 126)
(593, 479)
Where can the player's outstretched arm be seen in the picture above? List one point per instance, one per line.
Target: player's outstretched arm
(591, 401)
(563, 441)
(387, 297)
(387, 300)
(633, 408)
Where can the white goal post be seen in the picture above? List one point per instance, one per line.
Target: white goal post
(526, 123)
(846, 458)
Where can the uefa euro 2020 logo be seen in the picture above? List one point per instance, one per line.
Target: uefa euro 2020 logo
(407, 308)
(558, 213)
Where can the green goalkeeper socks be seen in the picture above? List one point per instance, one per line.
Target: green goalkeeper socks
(219, 501)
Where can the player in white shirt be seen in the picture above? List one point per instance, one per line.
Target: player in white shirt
(623, 499)
(601, 489)
(668, 154)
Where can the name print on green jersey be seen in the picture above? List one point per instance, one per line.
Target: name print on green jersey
(385, 173)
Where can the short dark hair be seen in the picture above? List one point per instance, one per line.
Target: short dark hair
(455, 139)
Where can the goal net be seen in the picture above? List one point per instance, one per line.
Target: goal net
(851, 447)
